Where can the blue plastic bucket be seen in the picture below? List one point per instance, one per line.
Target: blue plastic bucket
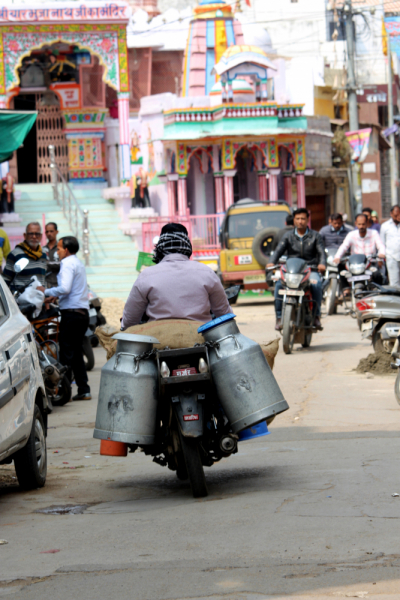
(253, 432)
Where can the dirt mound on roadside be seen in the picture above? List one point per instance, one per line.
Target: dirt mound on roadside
(377, 363)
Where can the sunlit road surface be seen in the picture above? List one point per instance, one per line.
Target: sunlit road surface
(306, 512)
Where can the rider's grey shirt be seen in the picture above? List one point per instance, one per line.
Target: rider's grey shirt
(176, 288)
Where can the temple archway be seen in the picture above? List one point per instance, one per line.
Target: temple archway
(200, 183)
(245, 182)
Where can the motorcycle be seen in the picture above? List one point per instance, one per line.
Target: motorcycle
(90, 341)
(297, 311)
(360, 270)
(190, 407)
(396, 365)
(379, 313)
(332, 287)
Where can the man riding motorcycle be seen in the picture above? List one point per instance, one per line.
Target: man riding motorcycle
(333, 235)
(176, 287)
(361, 241)
(307, 244)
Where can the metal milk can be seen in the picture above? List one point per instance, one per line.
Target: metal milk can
(246, 387)
(127, 407)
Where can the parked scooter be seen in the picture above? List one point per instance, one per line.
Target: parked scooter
(188, 408)
(297, 310)
(379, 313)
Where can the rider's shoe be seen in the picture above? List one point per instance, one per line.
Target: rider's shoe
(278, 325)
(317, 323)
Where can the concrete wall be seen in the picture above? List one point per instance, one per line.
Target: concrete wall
(318, 146)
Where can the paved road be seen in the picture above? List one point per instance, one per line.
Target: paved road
(306, 512)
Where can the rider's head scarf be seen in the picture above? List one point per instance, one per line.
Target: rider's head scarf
(173, 239)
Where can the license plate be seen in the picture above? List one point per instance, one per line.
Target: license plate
(92, 312)
(243, 259)
(184, 372)
(367, 325)
(359, 278)
(291, 292)
(190, 417)
(254, 279)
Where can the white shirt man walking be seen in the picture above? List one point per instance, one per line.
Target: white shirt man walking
(72, 294)
(390, 235)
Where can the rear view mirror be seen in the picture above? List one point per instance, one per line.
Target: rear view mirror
(21, 264)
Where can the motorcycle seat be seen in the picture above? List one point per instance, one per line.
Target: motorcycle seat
(391, 290)
(47, 314)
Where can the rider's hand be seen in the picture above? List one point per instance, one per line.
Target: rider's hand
(321, 268)
(336, 261)
(381, 256)
(40, 288)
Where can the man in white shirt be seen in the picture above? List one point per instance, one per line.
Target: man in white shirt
(72, 293)
(390, 235)
(361, 241)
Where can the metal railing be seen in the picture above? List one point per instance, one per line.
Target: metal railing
(77, 218)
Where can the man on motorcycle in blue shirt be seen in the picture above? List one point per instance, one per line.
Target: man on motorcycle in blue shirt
(307, 244)
(333, 235)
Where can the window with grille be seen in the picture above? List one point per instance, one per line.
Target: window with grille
(166, 72)
(139, 75)
(92, 84)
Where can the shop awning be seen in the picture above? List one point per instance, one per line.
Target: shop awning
(14, 127)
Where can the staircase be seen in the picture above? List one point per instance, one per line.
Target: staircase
(112, 255)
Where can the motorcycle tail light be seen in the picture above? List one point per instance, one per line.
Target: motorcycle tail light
(362, 305)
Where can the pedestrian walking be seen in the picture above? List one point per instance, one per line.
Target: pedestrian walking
(5, 247)
(390, 236)
(72, 294)
(53, 265)
(32, 250)
(371, 223)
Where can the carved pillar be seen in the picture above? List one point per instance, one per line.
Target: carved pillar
(182, 196)
(123, 117)
(301, 190)
(219, 194)
(171, 189)
(228, 187)
(3, 101)
(262, 186)
(287, 186)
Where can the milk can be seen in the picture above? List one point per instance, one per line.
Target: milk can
(246, 387)
(127, 407)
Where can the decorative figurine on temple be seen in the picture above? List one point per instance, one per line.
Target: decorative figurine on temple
(61, 68)
(139, 190)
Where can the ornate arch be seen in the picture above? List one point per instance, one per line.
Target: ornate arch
(290, 148)
(107, 42)
(195, 152)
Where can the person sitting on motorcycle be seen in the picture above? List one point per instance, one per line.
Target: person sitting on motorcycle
(307, 244)
(361, 241)
(176, 287)
(333, 235)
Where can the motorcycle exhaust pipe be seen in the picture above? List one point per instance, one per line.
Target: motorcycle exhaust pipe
(52, 374)
(228, 444)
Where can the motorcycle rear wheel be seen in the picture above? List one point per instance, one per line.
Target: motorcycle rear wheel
(288, 329)
(64, 393)
(88, 354)
(194, 466)
(330, 298)
(397, 387)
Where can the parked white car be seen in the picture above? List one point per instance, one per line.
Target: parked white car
(23, 402)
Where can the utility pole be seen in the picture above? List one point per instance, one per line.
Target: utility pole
(392, 151)
(352, 98)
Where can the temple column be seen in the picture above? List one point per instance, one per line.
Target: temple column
(3, 101)
(219, 194)
(228, 187)
(273, 183)
(262, 186)
(124, 151)
(301, 190)
(287, 186)
(182, 196)
(171, 189)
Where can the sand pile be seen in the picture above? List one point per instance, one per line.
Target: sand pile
(378, 363)
(112, 309)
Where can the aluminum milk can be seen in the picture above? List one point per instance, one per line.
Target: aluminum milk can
(246, 387)
(127, 407)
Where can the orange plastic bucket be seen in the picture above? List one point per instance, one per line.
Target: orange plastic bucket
(110, 448)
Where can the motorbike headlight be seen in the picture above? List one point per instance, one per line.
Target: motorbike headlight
(293, 280)
(357, 269)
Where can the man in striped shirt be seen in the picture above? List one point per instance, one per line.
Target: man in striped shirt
(31, 250)
(361, 241)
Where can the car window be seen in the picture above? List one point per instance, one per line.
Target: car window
(3, 308)
(247, 225)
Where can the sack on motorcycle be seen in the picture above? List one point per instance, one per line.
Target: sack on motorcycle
(174, 333)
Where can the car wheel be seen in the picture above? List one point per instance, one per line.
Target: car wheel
(31, 461)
